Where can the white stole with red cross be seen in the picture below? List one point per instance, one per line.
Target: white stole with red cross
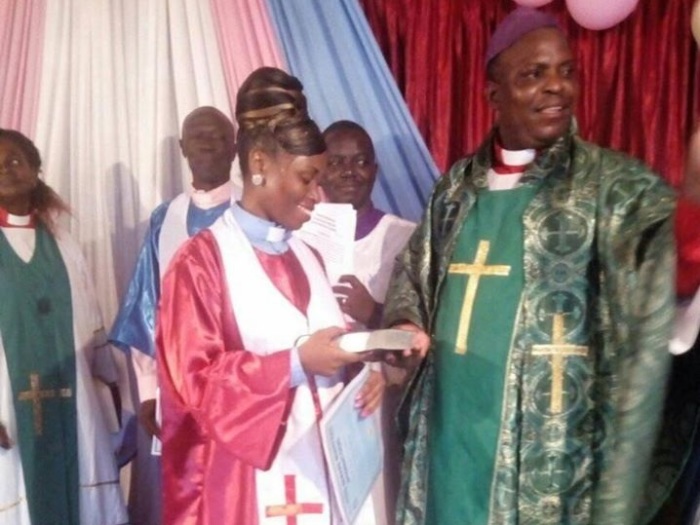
(296, 485)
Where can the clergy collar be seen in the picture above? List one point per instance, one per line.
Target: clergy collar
(367, 221)
(508, 162)
(206, 200)
(8, 220)
(261, 233)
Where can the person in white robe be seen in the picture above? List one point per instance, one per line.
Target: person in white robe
(56, 371)
(208, 144)
(379, 238)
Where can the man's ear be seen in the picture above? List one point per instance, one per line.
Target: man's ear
(493, 94)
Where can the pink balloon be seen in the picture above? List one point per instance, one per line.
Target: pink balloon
(600, 14)
(695, 21)
(532, 3)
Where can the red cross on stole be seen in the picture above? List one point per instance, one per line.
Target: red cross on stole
(291, 509)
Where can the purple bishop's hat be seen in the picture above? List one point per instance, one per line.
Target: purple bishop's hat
(514, 26)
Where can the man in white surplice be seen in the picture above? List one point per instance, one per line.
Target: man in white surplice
(379, 238)
(208, 144)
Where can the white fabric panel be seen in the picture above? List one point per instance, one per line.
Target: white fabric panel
(118, 78)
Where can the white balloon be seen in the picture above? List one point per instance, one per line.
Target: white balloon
(600, 14)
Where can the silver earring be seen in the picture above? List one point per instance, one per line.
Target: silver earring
(257, 179)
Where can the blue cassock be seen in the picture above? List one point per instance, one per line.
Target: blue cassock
(135, 323)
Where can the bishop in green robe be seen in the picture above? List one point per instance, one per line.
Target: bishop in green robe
(549, 307)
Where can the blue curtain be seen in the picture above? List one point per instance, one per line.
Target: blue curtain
(330, 47)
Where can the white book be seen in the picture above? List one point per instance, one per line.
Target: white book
(370, 340)
(389, 339)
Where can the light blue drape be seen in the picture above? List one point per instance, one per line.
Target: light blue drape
(329, 45)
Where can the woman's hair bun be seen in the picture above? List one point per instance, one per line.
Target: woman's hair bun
(272, 114)
(269, 96)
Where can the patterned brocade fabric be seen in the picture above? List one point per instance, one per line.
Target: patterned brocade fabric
(599, 257)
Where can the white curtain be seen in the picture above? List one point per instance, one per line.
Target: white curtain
(119, 76)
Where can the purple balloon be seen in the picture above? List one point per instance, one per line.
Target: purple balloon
(600, 14)
(532, 3)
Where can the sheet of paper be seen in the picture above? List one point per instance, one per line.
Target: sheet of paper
(331, 231)
(354, 450)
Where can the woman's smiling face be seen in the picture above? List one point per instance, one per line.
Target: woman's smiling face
(291, 190)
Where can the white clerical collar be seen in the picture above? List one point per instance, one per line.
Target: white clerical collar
(261, 233)
(206, 200)
(9, 220)
(19, 220)
(521, 157)
(508, 167)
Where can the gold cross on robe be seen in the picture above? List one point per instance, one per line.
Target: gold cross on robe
(474, 271)
(36, 395)
(559, 350)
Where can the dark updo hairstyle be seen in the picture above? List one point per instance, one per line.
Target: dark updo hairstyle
(272, 114)
(44, 202)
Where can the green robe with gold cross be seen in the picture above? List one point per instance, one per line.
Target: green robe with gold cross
(550, 308)
(54, 403)
(36, 325)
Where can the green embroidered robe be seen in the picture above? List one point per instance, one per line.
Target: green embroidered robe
(36, 324)
(598, 251)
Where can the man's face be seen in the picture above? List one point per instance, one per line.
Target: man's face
(209, 146)
(534, 90)
(351, 170)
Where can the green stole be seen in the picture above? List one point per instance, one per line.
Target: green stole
(471, 352)
(37, 333)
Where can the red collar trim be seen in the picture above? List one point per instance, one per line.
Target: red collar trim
(500, 167)
(5, 221)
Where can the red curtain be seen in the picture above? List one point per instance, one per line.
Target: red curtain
(640, 80)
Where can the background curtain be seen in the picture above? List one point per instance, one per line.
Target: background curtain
(118, 77)
(21, 41)
(103, 86)
(640, 80)
(330, 46)
(246, 40)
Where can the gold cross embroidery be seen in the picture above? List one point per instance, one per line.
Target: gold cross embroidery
(475, 271)
(559, 350)
(36, 395)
